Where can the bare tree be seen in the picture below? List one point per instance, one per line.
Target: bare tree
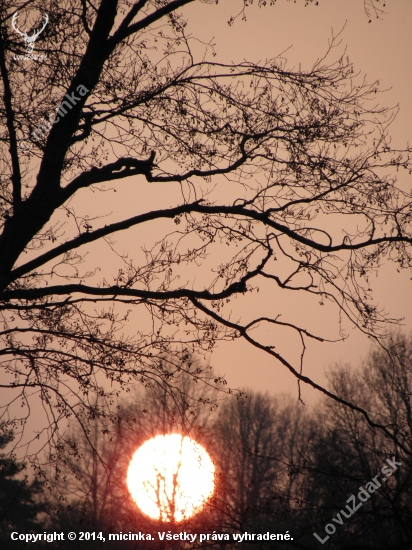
(21, 501)
(282, 180)
(348, 454)
(260, 443)
(257, 445)
(88, 474)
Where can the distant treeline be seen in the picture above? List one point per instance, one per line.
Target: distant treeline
(325, 476)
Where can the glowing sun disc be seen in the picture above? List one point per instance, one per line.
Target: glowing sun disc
(170, 477)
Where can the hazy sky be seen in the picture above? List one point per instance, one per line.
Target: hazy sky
(380, 50)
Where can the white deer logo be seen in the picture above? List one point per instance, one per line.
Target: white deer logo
(29, 40)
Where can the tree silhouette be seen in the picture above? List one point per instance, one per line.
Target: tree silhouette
(348, 453)
(259, 443)
(297, 470)
(20, 506)
(278, 467)
(89, 474)
(280, 180)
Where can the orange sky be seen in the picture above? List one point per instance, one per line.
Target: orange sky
(380, 50)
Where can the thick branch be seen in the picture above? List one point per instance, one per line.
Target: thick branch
(196, 207)
(88, 74)
(269, 349)
(92, 236)
(125, 31)
(201, 173)
(10, 121)
(58, 290)
(134, 10)
(122, 168)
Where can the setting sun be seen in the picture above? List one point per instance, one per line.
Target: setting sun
(170, 477)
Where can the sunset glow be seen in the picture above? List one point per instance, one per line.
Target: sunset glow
(170, 477)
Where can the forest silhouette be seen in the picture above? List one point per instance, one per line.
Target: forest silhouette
(157, 201)
(280, 467)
